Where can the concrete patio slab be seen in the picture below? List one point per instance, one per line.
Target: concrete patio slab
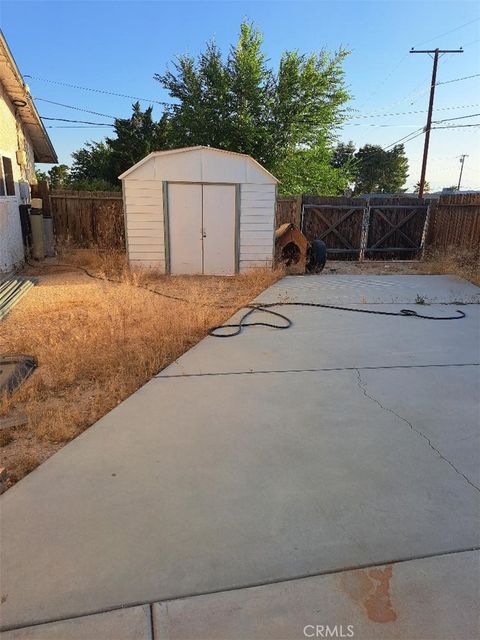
(322, 338)
(183, 490)
(386, 289)
(326, 338)
(429, 598)
(201, 483)
(123, 624)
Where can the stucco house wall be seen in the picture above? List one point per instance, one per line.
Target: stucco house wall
(21, 130)
(12, 138)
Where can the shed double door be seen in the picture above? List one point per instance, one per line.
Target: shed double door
(201, 219)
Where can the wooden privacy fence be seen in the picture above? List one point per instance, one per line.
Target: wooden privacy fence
(88, 218)
(359, 228)
(352, 228)
(455, 222)
(385, 228)
(288, 210)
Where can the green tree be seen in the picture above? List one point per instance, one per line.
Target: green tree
(310, 171)
(41, 175)
(59, 176)
(344, 155)
(242, 105)
(100, 163)
(379, 170)
(135, 138)
(92, 162)
(426, 187)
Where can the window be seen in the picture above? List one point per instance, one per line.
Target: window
(7, 186)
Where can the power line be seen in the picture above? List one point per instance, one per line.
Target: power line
(475, 75)
(398, 64)
(378, 126)
(404, 113)
(101, 124)
(106, 91)
(61, 126)
(472, 115)
(446, 33)
(69, 106)
(458, 126)
(418, 132)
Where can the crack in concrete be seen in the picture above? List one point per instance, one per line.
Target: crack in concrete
(361, 386)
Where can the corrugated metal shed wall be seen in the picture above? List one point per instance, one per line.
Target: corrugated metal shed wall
(144, 199)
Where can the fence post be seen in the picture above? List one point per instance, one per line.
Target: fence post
(365, 228)
(429, 219)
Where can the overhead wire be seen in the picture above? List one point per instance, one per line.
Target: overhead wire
(446, 33)
(69, 106)
(104, 91)
(103, 124)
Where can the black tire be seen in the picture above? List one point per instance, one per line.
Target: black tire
(317, 256)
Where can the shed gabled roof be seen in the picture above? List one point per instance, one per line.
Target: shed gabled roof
(196, 148)
(26, 112)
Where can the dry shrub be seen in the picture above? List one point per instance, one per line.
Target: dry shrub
(98, 341)
(27, 462)
(5, 437)
(461, 262)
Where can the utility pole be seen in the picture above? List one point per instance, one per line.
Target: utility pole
(462, 162)
(436, 54)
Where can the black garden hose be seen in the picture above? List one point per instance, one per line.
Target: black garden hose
(267, 308)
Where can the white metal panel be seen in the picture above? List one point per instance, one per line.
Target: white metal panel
(257, 221)
(185, 228)
(179, 167)
(144, 219)
(222, 167)
(146, 171)
(219, 229)
(152, 225)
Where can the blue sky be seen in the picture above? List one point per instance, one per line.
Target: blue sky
(119, 45)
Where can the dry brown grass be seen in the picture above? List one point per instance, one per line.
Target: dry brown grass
(461, 262)
(97, 342)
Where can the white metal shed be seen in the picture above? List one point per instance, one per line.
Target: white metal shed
(199, 210)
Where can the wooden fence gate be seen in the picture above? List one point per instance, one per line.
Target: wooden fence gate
(357, 228)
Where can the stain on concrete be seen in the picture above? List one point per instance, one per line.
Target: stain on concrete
(370, 588)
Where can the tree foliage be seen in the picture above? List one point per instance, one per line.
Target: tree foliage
(380, 171)
(371, 168)
(242, 105)
(285, 118)
(104, 161)
(426, 187)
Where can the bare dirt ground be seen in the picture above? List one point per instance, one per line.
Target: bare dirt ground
(97, 341)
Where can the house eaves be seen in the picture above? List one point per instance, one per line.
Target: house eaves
(25, 110)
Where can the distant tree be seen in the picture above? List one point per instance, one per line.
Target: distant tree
(59, 176)
(343, 154)
(104, 161)
(379, 170)
(135, 138)
(426, 187)
(92, 162)
(242, 105)
(41, 175)
(310, 171)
